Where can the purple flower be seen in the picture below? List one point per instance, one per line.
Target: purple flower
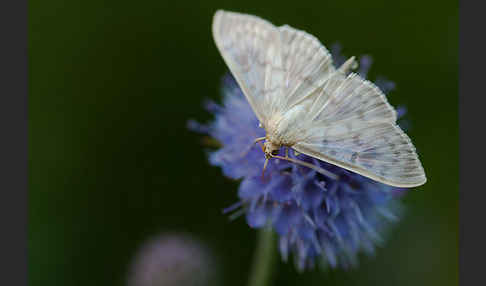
(172, 259)
(317, 219)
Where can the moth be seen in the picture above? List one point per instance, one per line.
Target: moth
(306, 104)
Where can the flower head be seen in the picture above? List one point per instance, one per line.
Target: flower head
(316, 218)
(173, 259)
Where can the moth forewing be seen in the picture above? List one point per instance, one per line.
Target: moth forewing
(243, 41)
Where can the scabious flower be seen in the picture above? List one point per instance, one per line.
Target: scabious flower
(317, 219)
(173, 259)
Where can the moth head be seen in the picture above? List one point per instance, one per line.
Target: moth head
(270, 149)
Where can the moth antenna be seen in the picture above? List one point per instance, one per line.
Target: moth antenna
(308, 165)
(257, 140)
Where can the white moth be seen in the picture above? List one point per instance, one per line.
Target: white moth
(304, 103)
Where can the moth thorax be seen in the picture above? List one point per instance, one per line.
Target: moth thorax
(283, 128)
(270, 148)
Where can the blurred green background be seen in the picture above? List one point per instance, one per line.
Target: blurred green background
(112, 84)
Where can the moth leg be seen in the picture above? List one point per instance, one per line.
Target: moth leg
(264, 168)
(286, 152)
(309, 165)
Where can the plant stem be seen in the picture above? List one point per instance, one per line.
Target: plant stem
(264, 258)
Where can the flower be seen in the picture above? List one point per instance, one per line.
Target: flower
(317, 219)
(173, 259)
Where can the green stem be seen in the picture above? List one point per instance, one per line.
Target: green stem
(264, 258)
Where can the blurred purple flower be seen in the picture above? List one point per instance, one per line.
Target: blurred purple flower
(317, 219)
(172, 259)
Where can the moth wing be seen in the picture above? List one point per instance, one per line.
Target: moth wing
(250, 46)
(276, 67)
(307, 64)
(355, 128)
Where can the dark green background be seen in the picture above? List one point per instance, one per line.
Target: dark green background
(112, 84)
